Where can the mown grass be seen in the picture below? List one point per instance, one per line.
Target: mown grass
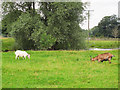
(59, 69)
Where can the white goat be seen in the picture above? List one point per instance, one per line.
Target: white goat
(23, 54)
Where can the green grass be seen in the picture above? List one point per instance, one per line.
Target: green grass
(7, 44)
(104, 44)
(59, 69)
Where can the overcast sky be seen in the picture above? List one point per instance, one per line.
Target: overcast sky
(101, 8)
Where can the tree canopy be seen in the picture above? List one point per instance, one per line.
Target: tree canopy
(106, 27)
(53, 25)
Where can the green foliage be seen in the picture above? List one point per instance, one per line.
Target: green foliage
(59, 69)
(105, 27)
(8, 20)
(64, 24)
(95, 32)
(46, 41)
(107, 24)
(55, 27)
(30, 33)
(8, 7)
(42, 39)
(11, 12)
(22, 30)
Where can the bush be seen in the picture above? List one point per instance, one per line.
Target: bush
(30, 33)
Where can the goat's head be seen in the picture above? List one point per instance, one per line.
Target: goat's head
(92, 59)
(28, 56)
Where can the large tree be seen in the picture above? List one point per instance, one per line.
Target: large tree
(11, 12)
(54, 26)
(106, 25)
(62, 21)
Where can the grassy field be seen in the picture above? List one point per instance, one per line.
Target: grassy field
(59, 69)
(104, 44)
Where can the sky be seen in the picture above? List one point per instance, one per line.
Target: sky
(101, 9)
(0, 11)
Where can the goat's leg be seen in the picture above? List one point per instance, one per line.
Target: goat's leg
(109, 59)
(99, 60)
(16, 57)
(25, 57)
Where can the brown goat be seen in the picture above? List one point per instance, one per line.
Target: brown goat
(103, 57)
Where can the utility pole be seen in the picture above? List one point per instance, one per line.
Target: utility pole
(119, 9)
(89, 23)
(119, 12)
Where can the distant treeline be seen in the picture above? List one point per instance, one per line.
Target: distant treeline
(107, 27)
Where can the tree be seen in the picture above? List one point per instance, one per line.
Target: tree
(95, 32)
(22, 6)
(115, 32)
(105, 26)
(11, 12)
(22, 30)
(55, 27)
(62, 21)
(8, 20)
(30, 33)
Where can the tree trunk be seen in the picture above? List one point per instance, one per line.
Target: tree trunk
(33, 8)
